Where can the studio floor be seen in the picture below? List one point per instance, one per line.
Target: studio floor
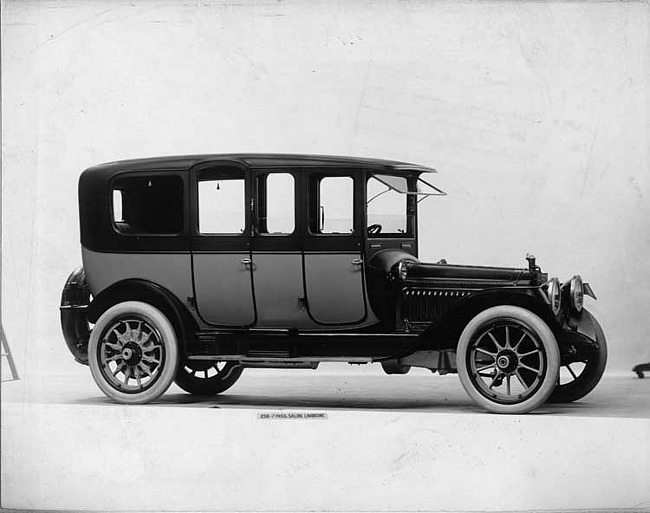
(338, 438)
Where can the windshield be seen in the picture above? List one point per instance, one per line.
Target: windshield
(387, 202)
(399, 185)
(390, 205)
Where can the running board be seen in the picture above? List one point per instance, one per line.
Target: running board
(270, 364)
(280, 362)
(287, 343)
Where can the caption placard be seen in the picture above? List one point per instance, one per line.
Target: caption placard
(292, 416)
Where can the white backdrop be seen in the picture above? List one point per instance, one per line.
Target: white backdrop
(535, 113)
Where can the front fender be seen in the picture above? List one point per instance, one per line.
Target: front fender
(445, 331)
(587, 329)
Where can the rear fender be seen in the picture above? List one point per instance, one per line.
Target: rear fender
(153, 294)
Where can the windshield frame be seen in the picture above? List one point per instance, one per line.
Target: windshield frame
(437, 190)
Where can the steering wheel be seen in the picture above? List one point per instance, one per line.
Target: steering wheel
(374, 229)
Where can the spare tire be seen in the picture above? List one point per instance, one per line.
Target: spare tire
(75, 299)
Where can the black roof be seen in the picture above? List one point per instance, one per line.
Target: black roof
(265, 160)
(95, 200)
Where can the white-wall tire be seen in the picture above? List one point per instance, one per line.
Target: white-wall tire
(508, 360)
(133, 353)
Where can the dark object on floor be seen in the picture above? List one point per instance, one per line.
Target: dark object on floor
(640, 368)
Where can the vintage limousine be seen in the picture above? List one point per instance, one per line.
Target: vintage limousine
(196, 267)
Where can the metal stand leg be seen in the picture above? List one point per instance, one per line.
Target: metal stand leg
(6, 352)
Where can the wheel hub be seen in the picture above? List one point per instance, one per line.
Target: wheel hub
(132, 353)
(507, 361)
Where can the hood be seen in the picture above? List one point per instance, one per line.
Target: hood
(468, 273)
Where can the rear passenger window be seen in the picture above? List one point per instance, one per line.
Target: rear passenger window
(222, 206)
(148, 205)
(276, 203)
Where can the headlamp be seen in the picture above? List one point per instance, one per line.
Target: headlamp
(554, 295)
(577, 293)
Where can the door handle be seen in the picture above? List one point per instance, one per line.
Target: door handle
(246, 261)
(357, 261)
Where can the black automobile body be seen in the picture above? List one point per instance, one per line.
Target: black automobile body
(197, 267)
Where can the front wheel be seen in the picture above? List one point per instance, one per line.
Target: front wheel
(133, 353)
(508, 360)
(207, 377)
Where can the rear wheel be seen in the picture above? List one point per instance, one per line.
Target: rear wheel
(133, 353)
(508, 360)
(207, 377)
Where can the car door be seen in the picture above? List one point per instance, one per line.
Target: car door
(221, 243)
(277, 251)
(332, 257)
